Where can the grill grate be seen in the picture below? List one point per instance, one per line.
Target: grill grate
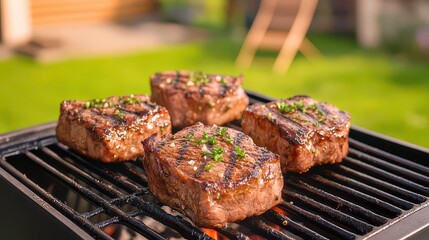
(373, 188)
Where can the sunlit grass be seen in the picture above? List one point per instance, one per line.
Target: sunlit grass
(384, 94)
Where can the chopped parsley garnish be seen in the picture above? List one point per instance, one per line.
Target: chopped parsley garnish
(212, 105)
(239, 152)
(297, 106)
(221, 131)
(322, 120)
(87, 105)
(206, 153)
(96, 103)
(131, 99)
(208, 167)
(228, 139)
(199, 78)
(206, 139)
(120, 115)
(285, 108)
(103, 103)
(191, 137)
(217, 153)
(211, 139)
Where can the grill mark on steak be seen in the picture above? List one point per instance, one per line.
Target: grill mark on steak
(113, 119)
(233, 158)
(279, 119)
(135, 114)
(205, 197)
(150, 106)
(321, 139)
(176, 80)
(182, 150)
(200, 169)
(276, 114)
(191, 99)
(201, 90)
(111, 129)
(263, 155)
(323, 109)
(223, 90)
(94, 113)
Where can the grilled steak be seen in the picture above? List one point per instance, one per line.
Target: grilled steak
(302, 131)
(212, 174)
(111, 129)
(192, 97)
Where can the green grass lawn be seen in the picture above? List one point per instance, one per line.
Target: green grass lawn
(382, 93)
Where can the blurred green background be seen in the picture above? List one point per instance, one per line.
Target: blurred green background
(383, 91)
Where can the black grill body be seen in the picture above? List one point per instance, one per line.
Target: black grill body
(48, 191)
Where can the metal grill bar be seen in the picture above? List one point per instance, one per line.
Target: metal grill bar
(386, 207)
(175, 222)
(105, 188)
(317, 220)
(382, 185)
(99, 201)
(369, 190)
(102, 171)
(232, 233)
(293, 226)
(344, 205)
(400, 171)
(399, 161)
(146, 208)
(63, 208)
(259, 227)
(390, 177)
(357, 225)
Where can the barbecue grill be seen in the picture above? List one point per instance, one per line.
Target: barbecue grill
(48, 191)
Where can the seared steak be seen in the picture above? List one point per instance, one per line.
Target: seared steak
(192, 97)
(111, 129)
(212, 174)
(302, 131)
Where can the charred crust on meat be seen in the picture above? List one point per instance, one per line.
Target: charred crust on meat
(199, 192)
(209, 98)
(111, 128)
(298, 127)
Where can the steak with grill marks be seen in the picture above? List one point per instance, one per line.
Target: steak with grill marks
(302, 131)
(212, 174)
(192, 97)
(111, 129)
